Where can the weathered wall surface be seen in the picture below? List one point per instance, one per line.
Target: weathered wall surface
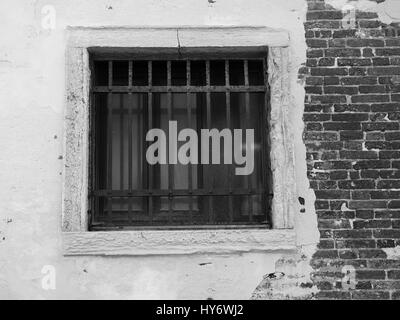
(32, 90)
(351, 143)
(352, 112)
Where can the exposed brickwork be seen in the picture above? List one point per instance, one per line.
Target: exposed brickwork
(352, 135)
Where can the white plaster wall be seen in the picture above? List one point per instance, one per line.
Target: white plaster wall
(32, 88)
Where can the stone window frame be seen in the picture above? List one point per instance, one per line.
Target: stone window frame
(77, 240)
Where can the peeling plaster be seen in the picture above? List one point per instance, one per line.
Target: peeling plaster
(344, 207)
(291, 280)
(388, 11)
(392, 253)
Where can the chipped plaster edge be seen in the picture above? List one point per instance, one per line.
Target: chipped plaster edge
(392, 253)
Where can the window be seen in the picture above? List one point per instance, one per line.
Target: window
(87, 48)
(133, 95)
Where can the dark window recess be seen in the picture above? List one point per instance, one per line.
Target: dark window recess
(120, 73)
(140, 73)
(132, 96)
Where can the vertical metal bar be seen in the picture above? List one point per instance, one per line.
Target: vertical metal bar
(109, 138)
(121, 142)
(130, 74)
(130, 140)
(229, 124)
(142, 144)
(208, 117)
(200, 124)
(150, 126)
(143, 167)
(140, 140)
(189, 115)
(170, 167)
(247, 98)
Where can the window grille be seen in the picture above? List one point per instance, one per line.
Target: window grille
(133, 95)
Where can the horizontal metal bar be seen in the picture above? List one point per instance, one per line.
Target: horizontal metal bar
(183, 89)
(177, 192)
(173, 54)
(127, 112)
(175, 57)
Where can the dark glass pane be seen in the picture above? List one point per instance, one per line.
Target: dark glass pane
(217, 73)
(236, 72)
(101, 73)
(257, 103)
(101, 208)
(120, 73)
(160, 121)
(218, 110)
(178, 73)
(101, 115)
(252, 120)
(128, 113)
(159, 73)
(140, 74)
(120, 213)
(217, 175)
(240, 213)
(161, 211)
(198, 73)
(256, 72)
(201, 112)
(238, 120)
(221, 209)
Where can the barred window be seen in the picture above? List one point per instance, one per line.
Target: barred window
(132, 95)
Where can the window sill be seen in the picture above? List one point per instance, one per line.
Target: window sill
(171, 242)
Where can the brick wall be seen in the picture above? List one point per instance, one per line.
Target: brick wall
(352, 134)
